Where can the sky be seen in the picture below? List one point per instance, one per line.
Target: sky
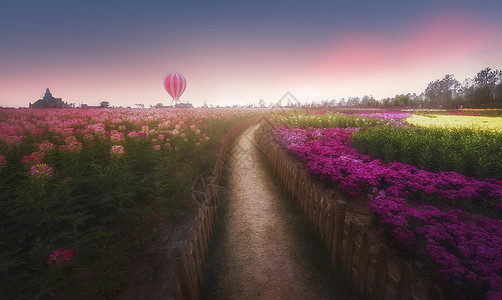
(238, 52)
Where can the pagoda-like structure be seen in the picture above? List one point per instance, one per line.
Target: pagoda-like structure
(48, 101)
(47, 95)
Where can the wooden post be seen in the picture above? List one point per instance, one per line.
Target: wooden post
(380, 282)
(349, 251)
(304, 196)
(322, 218)
(302, 192)
(362, 266)
(313, 213)
(403, 286)
(202, 249)
(336, 253)
(210, 220)
(317, 212)
(290, 174)
(205, 235)
(310, 207)
(182, 271)
(192, 267)
(197, 256)
(276, 159)
(294, 184)
(329, 227)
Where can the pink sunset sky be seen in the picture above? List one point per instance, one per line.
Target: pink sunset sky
(229, 61)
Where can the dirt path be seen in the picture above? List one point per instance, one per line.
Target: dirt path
(263, 247)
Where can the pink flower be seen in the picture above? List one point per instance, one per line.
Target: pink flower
(32, 159)
(117, 151)
(132, 134)
(60, 257)
(67, 179)
(13, 141)
(41, 171)
(70, 140)
(156, 147)
(3, 161)
(46, 146)
(75, 147)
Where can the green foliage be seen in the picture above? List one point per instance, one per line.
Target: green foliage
(471, 152)
(95, 204)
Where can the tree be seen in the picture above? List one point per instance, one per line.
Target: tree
(487, 78)
(498, 95)
(442, 91)
(401, 100)
(386, 102)
(104, 104)
(369, 101)
(353, 102)
(484, 90)
(485, 84)
(159, 105)
(261, 103)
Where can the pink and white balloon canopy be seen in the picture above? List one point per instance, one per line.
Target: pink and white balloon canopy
(175, 84)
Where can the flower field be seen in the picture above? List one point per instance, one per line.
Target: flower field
(457, 121)
(452, 219)
(80, 189)
(471, 152)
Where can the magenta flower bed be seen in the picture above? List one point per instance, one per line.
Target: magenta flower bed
(466, 250)
(396, 117)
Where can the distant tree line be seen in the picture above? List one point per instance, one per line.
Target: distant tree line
(482, 91)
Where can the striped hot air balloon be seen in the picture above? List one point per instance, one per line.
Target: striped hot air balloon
(175, 85)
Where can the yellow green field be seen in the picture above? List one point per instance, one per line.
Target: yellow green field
(455, 121)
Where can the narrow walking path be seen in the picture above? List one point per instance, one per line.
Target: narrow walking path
(263, 247)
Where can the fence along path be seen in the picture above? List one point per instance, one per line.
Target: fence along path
(369, 272)
(264, 248)
(190, 254)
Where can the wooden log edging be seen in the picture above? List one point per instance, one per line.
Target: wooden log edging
(369, 271)
(190, 255)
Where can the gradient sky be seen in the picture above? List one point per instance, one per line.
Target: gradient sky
(240, 51)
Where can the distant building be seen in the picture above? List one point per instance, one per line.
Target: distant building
(183, 105)
(83, 105)
(48, 101)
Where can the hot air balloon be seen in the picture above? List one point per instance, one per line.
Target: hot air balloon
(175, 85)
